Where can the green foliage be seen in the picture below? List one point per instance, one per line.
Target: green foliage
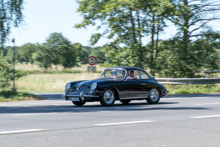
(26, 51)
(6, 74)
(43, 57)
(10, 14)
(126, 24)
(201, 55)
(99, 53)
(56, 50)
(81, 53)
(121, 56)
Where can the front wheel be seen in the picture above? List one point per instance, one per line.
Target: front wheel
(154, 97)
(78, 103)
(108, 97)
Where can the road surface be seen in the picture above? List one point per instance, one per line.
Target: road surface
(178, 120)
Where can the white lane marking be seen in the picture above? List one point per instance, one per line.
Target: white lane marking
(124, 123)
(25, 114)
(209, 116)
(21, 131)
(32, 114)
(208, 103)
(182, 98)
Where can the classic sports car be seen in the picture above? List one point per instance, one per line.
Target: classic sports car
(116, 83)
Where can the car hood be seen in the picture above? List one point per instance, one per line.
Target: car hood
(100, 80)
(86, 85)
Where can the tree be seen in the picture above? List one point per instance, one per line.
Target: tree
(7, 74)
(99, 53)
(81, 53)
(11, 14)
(202, 55)
(43, 56)
(26, 51)
(190, 16)
(126, 23)
(56, 50)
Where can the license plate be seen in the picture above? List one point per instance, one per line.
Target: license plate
(74, 99)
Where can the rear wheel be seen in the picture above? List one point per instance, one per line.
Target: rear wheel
(108, 97)
(78, 103)
(125, 101)
(154, 97)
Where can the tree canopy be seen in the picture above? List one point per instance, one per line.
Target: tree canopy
(128, 23)
(10, 14)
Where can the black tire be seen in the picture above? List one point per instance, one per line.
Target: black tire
(78, 103)
(125, 102)
(154, 97)
(108, 97)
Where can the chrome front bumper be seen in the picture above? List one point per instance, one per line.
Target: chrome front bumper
(165, 92)
(81, 96)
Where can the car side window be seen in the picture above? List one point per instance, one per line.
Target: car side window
(133, 74)
(144, 75)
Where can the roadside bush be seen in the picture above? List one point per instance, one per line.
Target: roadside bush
(6, 74)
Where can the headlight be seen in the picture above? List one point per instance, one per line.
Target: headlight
(67, 86)
(93, 86)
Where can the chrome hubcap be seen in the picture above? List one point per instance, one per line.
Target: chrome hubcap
(109, 97)
(154, 95)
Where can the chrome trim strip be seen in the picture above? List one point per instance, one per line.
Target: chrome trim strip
(129, 98)
(97, 96)
(83, 96)
(72, 95)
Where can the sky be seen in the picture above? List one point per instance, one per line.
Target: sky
(43, 17)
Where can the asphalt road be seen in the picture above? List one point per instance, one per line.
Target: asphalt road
(178, 120)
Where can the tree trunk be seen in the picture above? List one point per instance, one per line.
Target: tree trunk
(133, 26)
(152, 45)
(157, 41)
(139, 26)
(185, 32)
(140, 49)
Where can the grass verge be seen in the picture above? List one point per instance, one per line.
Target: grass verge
(50, 82)
(10, 96)
(193, 89)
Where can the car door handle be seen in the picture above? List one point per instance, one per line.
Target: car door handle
(143, 84)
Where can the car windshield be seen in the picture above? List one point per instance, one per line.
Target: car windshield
(113, 73)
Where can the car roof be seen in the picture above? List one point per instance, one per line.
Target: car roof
(126, 67)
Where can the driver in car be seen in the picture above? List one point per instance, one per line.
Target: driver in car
(131, 75)
(114, 75)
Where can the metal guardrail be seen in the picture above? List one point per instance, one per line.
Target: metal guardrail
(210, 71)
(179, 81)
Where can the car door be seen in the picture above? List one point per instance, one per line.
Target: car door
(133, 88)
(147, 86)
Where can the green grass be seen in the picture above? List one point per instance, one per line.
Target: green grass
(50, 82)
(193, 89)
(9, 96)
